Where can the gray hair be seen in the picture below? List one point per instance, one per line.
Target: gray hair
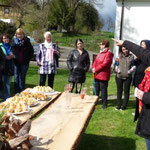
(47, 33)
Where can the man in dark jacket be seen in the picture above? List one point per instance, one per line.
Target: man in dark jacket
(143, 125)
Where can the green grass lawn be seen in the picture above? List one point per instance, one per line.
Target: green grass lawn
(107, 129)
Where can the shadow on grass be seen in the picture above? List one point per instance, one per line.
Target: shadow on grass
(95, 142)
(113, 102)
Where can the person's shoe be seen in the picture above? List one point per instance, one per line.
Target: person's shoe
(123, 108)
(104, 107)
(117, 108)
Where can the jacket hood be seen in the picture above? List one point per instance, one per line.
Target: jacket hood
(147, 42)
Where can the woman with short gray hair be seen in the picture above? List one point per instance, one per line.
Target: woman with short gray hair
(46, 60)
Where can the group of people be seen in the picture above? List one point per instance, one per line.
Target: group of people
(142, 85)
(14, 61)
(78, 62)
(15, 56)
(129, 69)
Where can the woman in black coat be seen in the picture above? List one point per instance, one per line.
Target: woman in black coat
(78, 63)
(23, 51)
(2, 65)
(139, 73)
(143, 125)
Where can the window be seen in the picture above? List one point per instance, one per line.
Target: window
(6, 10)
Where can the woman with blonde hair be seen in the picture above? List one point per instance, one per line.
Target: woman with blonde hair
(23, 51)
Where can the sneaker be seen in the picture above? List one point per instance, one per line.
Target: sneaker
(117, 108)
(123, 108)
(104, 107)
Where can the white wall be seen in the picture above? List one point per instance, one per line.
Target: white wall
(7, 20)
(136, 23)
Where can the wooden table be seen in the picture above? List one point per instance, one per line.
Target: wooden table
(60, 127)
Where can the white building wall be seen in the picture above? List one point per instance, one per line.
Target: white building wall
(7, 20)
(136, 22)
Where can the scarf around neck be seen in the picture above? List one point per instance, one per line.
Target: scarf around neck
(49, 51)
(19, 42)
(144, 86)
(7, 47)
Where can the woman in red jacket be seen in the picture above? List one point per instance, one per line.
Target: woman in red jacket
(102, 69)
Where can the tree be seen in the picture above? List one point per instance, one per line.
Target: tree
(73, 15)
(110, 24)
(19, 6)
(60, 15)
(88, 17)
(8, 28)
(36, 21)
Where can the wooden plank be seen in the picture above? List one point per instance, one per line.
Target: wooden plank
(36, 109)
(63, 125)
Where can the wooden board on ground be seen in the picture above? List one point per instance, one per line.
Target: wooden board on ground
(62, 124)
(34, 110)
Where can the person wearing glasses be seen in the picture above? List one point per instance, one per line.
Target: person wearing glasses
(8, 70)
(78, 63)
(102, 70)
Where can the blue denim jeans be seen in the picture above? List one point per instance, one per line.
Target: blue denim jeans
(147, 144)
(6, 86)
(20, 72)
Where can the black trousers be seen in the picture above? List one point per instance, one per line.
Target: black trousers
(123, 84)
(50, 79)
(101, 85)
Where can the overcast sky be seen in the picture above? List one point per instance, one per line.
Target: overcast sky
(108, 10)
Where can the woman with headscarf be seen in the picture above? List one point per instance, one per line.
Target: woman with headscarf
(140, 66)
(139, 72)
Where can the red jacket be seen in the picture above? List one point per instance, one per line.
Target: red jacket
(102, 65)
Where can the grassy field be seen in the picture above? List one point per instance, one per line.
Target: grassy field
(91, 41)
(107, 129)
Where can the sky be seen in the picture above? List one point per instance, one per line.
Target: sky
(108, 10)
